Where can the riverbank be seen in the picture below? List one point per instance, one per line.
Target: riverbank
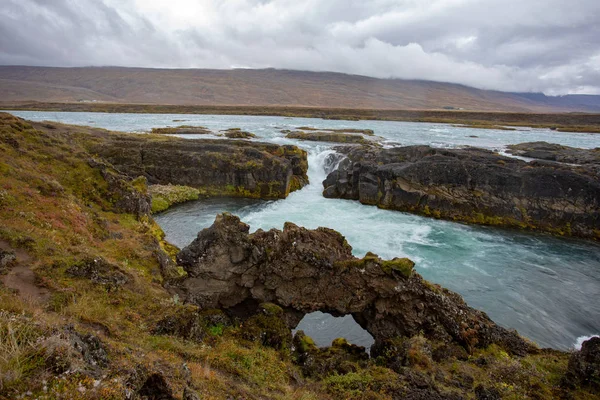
(566, 122)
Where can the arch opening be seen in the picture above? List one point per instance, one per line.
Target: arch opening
(323, 328)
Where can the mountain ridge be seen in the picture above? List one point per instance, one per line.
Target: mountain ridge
(266, 87)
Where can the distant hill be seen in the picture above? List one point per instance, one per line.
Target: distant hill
(267, 87)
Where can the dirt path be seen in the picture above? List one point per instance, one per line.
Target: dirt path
(22, 278)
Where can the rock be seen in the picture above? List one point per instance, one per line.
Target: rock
(472, 185)
(449, 352)
(164, 196)
(584, 366)
(368, 132)
(405, 352)
(218, 167)
(190, 394)
(127, 194)
(182, 130)
(74, 351)
(555, 152)
(237, 133)
(90, 347)
(190, 324)
(487, 393)
(156, 388)
(7, 260)
(340, 358)
(98, 271)
(268, 328)
(335, 137)
(303, 270)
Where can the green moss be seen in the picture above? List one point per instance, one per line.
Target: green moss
(306, 344)
(340, 342)
(295, 184)
(271, 309)
(159, 204)
(402, 265)
(164, 196)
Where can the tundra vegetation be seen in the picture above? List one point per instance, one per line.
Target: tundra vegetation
(85, 312)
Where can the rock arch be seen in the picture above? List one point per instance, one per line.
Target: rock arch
(304, 270)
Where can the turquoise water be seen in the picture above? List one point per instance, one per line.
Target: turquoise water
(545, 287)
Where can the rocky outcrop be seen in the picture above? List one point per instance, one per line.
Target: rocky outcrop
(472, 185)
(98, 271)
(584, 366)
(127, 194)
(368, 132)
(219, 167)
(237, 133)
(164, 196)
(182, 130)
(555, 152)
(327, 137)
(304, 270)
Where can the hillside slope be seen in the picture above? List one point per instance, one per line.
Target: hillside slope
(268, 87)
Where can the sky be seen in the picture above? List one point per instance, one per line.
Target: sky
(550, 46)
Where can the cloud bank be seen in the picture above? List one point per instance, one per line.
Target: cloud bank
(551, 46)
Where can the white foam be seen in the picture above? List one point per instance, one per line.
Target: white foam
(579, 341)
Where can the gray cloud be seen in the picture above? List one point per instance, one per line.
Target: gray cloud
(535, 45)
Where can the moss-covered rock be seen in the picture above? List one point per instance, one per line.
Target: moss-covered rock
(238, 133)
(215, 167)
(164, 196)
(404, 266)
(268, 328)
(182, 130)
(340, 358)
(335, 137)
(189, 323)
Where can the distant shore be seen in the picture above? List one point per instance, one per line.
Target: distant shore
(565, 122)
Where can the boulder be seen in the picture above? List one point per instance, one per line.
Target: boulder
(472, 185)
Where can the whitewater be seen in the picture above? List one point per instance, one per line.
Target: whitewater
(543, 286)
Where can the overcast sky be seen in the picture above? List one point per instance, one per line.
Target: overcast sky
(514, 45)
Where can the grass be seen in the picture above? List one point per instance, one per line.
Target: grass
(19, 350)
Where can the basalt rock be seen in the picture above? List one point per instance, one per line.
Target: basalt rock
(555, 152)
(98, 271)
(472, 185)
(335, 137)
(219, 167)
(584, 366)
(304, 270)
(127, 193)
(340, 358)
(237, 133)
(182, 130)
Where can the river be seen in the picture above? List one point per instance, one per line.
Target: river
(543, 286)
